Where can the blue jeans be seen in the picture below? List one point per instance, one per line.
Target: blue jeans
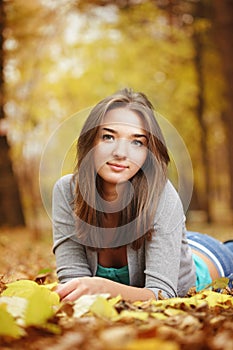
(220, 253)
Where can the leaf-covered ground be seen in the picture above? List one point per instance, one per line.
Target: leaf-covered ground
(36, 318)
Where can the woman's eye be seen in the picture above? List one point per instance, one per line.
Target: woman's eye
(107, 137)
(137, 143)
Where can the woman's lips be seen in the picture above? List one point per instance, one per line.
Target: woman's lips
(117, 167)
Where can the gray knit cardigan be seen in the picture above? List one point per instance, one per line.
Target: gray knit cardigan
(164, 263)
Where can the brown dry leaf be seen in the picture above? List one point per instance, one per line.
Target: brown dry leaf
(2, 284)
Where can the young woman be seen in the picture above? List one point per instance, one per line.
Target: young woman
(118, 223)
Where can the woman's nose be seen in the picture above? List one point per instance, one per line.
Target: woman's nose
(120, 149)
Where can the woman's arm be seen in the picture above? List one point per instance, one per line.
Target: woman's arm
(169, 264)
(71, 260)
(77, 287)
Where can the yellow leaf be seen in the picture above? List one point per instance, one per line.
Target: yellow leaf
(127, 314)
(50, 286)
(193, 301)
(52, 328)
(139, 303)
(8, 326)
(218, 299)
(83, 304)
(40, 306)
(220, 283)
(16, 306)
(40, 301)
(52, 297)
(114, 301)
(173, 312)
(102, 308)
(22, 288)
(158, 315)
(26, 288)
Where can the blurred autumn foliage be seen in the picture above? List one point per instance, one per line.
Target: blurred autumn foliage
(61, 57)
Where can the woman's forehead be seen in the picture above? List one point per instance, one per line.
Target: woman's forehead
(125, 117)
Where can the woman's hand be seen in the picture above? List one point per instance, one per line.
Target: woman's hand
(72, 290)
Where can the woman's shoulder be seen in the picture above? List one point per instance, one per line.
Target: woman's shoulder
(64, 180)
(169, 205)
(169, 192)
(64, 184)
(170, 210)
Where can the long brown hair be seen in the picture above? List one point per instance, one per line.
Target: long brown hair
(147, 183)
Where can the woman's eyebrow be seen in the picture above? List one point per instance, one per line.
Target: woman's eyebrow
(109, 130)
(140, 136)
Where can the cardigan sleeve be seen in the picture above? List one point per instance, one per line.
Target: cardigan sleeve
(71, 257)
(169, 265)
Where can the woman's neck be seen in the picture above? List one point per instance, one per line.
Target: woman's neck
(114, 193)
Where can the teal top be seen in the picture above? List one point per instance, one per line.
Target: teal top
(202, 273)
(121, 274)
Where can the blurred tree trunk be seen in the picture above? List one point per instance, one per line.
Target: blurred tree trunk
(206, 203)
(10, 206)
(197, 38)
(223, 29)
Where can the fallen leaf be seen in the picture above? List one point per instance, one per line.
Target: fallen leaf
(16, 306)
(158, 315)
(21, 288)
(218, 299)
(8, 326)
(114, 301)
(40, 306)
(172, 312)
(103, 309)
(129, 314)
(219, 283)
(82, 305)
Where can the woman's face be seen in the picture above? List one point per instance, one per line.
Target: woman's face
(120, 148)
